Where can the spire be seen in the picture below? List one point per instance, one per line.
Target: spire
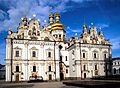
(51, 18)
(57, 15)
(84, 28)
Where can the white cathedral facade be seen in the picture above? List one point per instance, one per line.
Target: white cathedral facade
(35, 51)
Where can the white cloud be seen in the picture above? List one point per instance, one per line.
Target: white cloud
(102, 26)
(19, 8)
(77, 30)
(115, 43)
(2, 53)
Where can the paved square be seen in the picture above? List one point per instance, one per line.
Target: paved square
(36, 85)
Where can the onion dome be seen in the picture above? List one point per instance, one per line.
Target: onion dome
(57, 25)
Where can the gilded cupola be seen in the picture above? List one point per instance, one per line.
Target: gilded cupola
(57, 25)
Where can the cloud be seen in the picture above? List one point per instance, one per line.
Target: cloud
(115, 43)
(77, 30)
(102, 25)
(11, 12)
(2, 54)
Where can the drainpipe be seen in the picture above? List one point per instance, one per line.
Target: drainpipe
(11, 58)
(54, 59)
(80, 61)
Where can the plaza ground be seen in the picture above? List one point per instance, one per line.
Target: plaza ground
(87, 83)
(35, 85)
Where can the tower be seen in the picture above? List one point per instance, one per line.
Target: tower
(57, 28)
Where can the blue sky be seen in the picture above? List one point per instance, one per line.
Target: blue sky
(104, 14)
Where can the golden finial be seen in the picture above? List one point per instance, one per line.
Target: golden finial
(51, 15)
(84, 26)
(25, 18)
(57, 14)
(51, 18)
(57, 17)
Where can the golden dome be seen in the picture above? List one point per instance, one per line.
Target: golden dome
(57, 26)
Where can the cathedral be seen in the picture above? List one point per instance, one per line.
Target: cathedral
(45, 51)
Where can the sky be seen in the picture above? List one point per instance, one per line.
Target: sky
(104, 14)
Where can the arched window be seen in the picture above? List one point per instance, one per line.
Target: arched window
(33, 54)
(114, 70)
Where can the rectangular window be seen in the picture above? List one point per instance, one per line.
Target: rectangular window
(49, 54)
(95, 56)
(66, 70)
(34, 68)
(95, 67)
(104, 56)
(83, 55)
(17, 68)
(60, 58)
(59, 36)
(33, 54)
(49, 68)
(66, 58)
(17, 53)
(84, 67)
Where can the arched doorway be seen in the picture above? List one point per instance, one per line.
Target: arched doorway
(61, 76)
(50, 77)
(84, 75)
(17, 78)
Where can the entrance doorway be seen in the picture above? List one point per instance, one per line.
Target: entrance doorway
(61, 76)
(17, 78)
(84, 75)
(50, 77)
